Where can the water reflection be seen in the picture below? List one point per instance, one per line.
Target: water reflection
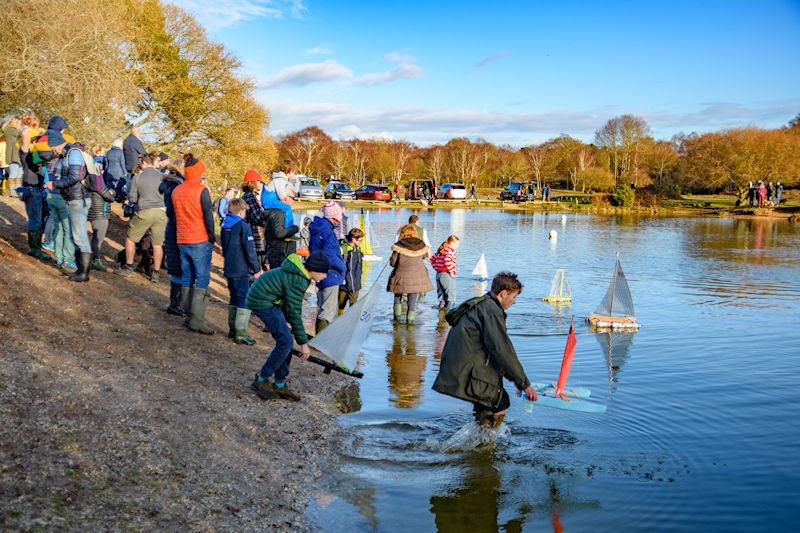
(473, 505)
(616, 347)
(406, 367)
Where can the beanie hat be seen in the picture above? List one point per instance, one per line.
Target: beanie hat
(54, 138)
(280, 186)
(194, 169)
(163, 156)
(332, 211)
(318, 262)
(56, 123)
(251, 176)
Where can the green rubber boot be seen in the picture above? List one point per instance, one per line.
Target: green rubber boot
(398, 312)
(410, 317)
(186, 300)
(241, 320)
(197, 322)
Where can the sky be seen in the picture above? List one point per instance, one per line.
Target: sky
(510, 72)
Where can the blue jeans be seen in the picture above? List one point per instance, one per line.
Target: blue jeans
(78, 214)
(446, 288)
(34, 208)
(238, 288)
(281, 355)
(59, 214)
(196, 264)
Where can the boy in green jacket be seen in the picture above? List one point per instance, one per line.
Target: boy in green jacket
(478, 354)
(277, 297)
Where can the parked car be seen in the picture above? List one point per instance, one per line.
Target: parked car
(519, 191)
(420, 189)
(310, 188)
(339, 190)
(374, 192)
(452, 191)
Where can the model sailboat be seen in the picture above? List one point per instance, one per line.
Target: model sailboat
(480, 271)
(560, 291)
(368, 243)
(616, 309)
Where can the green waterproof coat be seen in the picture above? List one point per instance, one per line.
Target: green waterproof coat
(478, 354)
(285, 286)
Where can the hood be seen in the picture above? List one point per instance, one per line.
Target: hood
(270, 200)
(293, 264)
(410, 247)
(230, 221)
(318, 225)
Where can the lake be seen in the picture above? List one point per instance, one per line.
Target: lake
(701, 430)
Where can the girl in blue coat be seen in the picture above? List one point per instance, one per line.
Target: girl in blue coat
(323, 239)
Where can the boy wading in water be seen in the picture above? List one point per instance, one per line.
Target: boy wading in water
(478, 353)
(277, 297)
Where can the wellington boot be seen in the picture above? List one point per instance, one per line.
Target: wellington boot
(320, 325)
(410, 317)
(35, 245)
(342, 311)
(84, 267)
(242, 319)
(231, 321)
(174, 307)
(398, 312)
(97, 264)
(197, 322)
(186, 300)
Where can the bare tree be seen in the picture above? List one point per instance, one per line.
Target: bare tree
(401, 153)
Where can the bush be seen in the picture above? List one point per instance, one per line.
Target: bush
(623, 196)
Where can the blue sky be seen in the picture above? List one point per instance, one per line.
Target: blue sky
(513, 72)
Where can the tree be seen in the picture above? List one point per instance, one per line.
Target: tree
(623, 136)
(305, 149)
(464, 160)
(536, 156)
(401, 152)
(435, 163)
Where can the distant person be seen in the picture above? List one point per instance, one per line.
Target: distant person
(770, 194)
(305, 235)
(276, 298)
(778, 192)
(444, 264)
(323, 239)
(409, 276)
(478, 353)
(473, 194)
(151, 215)
(241, 262)
(546, 192)
(398, 193)
(353, 260)
(115, 171)
(421, 233)
(224, 200)
(134, 151)
(762, 194)
(99, 215)
(11, 133)
(751, 193)
(278, 221)
(172, 254)
(252, 188)
(194, 221)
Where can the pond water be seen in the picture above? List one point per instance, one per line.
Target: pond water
(702, 426)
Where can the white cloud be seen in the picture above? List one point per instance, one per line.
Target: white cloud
(428, 126)
(492, 58)
(306, 74)
(399, 57)
(322, 49)
(218, 14)
(404, 71)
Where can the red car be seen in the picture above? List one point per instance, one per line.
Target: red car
(374, 192)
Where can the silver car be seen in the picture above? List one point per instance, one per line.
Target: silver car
(310, 189)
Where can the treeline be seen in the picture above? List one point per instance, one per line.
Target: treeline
(105, 66)
(623, 152)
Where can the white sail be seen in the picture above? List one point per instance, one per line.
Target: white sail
(343, 338)
(370, 237)
(480, 269)
(618, 300)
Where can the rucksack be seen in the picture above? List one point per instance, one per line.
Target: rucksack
(456, 314)
(93, 181)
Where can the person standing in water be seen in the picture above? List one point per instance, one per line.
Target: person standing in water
(478, 353)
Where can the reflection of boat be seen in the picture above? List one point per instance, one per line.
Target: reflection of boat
(616, 346)
(480, 271)
(560, 291)
(616, 309)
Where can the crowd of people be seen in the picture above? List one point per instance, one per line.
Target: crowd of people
(269, 262)
(761, 195)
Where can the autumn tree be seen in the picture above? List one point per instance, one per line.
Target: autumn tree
(306, 148)
(623, 137)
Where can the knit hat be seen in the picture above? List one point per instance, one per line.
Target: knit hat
(163, 156)
(318, 262)
(54, 138)
(194, 169)
(332, 211)
(280, 186)
(56, 123)
(252, 176)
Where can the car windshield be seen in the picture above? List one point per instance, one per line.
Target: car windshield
(457, 186)
(339, 186)
(309, 183)
(381, 188)
(514, 186)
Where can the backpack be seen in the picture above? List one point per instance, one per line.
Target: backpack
(93, 181)
(456, 314)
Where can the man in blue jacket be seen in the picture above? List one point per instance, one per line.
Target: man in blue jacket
(241, 262)
(323, 239)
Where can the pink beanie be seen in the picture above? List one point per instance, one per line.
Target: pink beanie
(332, 211)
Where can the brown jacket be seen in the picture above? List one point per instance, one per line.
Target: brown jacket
(409, 275)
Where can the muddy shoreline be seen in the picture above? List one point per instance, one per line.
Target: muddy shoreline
(113, 416)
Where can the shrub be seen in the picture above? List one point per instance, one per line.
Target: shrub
(623, 196)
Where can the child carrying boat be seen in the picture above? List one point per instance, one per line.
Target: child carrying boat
(444, 263)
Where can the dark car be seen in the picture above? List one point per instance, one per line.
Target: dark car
(374, 192)
(518, 191)
(339, 190)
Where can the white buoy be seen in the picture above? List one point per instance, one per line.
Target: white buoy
(563, 220)
(553, 235)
